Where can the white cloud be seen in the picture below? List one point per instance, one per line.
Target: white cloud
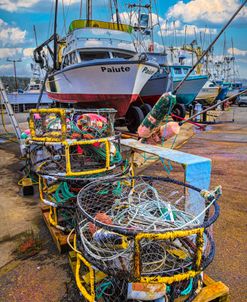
(28, 52)
(169, 29)
(237, 52)
(10, 35)
(13, 5)
(214, 11)
(16, 53)
(9, 52)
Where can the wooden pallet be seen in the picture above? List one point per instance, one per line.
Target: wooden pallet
(213, 291)
(58, 236)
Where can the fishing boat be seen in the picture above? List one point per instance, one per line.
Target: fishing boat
(159, 83)
(209, 93)
(27, 98)
(233, 87)
(96, 65)
(187, 93)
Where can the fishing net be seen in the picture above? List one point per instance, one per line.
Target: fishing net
(61, 124)
(60, 193)
(140, 227)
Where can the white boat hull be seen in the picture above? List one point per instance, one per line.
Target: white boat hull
(99, 84)
(208, 95)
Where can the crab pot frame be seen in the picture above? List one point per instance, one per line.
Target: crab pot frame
(59, 193)
(89, 278)
(57, 124)
(75, 158)
(197, 238)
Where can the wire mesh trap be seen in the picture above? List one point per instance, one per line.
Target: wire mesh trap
(97, 286)
(59, 193)
(56, 125)
(75, 158)
(139, 229)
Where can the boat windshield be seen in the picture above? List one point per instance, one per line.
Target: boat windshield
(33, 87)
(94, 55)
(177, 70)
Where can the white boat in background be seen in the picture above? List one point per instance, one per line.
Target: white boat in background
(98, 66)
(208, 93)
(26, 99)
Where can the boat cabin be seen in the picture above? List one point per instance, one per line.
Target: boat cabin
(96, 40)
(180, 71)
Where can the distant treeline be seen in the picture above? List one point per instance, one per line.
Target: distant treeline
(10, 85)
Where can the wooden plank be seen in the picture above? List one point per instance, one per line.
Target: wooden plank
(207, 280)
(212, 292)
(58, 236)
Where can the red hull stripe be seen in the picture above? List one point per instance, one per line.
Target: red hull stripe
(120, 102)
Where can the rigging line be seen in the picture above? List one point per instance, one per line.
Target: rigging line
(209, 47)
(64, 19)
(204, 37)
(111, 9)
(80, 16)
(185, 34)
(50, 20)
(67, 12)
(161, 33)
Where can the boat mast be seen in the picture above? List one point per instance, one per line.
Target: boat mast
(55, 37)
(89, 10)
(233, 63)
(138, 8)
(117, 11)
(151, 26)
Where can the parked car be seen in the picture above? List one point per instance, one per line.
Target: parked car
(242, 100)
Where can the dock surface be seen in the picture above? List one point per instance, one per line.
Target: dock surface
(224, 143)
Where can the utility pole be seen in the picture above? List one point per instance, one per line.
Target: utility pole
(14, 63)
(35, 35)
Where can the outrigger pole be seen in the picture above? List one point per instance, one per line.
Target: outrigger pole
(209, 47)
(212, 107)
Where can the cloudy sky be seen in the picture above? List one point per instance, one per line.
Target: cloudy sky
(17, 18)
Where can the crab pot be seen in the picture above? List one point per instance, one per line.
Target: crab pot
(56, 125)
(59, 193)
(136, 229)
(75, 158)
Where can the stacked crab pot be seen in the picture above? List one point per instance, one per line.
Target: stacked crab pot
(68, 149)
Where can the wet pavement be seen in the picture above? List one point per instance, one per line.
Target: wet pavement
(226, 145)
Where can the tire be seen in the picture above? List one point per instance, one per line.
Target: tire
(179, 110)
(133, 118)
(146, 108)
